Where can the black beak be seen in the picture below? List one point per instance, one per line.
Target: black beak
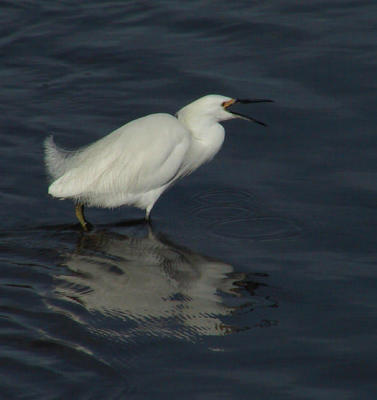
(249, 101)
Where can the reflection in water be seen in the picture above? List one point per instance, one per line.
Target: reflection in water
(151, 286)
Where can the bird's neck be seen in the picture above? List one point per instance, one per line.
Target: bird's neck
(207, 138)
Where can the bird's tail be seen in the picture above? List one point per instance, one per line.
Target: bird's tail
(55, 159)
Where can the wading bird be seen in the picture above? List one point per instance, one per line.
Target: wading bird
(136, 163)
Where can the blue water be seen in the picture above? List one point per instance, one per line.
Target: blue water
(258, 276)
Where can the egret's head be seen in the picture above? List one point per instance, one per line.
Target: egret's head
(216, 107)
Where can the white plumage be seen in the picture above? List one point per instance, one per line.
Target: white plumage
(136, 163)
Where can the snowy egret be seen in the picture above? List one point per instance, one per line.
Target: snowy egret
(136, 163)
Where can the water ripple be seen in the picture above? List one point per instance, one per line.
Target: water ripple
(239, 214)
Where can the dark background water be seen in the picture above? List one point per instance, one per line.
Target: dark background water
(259, 277)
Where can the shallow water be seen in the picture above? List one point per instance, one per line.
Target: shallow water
(257, 278)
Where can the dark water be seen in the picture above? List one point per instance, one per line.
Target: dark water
(258, 280)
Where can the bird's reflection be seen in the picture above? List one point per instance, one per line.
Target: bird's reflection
(153, 286)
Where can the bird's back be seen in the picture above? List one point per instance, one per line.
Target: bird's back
(143, 155)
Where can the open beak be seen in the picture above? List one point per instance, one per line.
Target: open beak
(229, 103)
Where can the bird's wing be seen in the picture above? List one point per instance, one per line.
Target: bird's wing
(142, 155)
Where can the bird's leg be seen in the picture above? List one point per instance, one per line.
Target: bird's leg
(147, 214)
(79, 210)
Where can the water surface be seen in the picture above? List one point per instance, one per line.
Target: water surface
(257, 278)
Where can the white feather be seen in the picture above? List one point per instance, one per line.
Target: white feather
(99, 174)
(134, 164)
(55, 159)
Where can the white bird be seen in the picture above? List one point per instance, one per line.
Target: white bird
(137, 162)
